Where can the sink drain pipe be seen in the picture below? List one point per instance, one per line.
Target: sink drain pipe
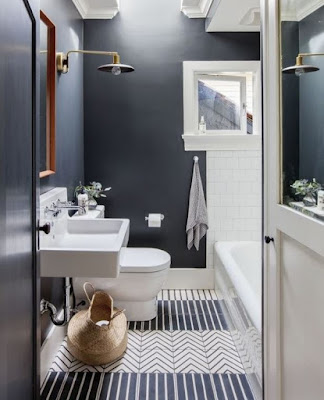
(46, 306)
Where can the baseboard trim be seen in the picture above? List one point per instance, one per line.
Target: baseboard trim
(50, 347)
(190, 278)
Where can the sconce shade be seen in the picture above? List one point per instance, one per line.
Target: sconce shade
(119, 68)
(300, 69)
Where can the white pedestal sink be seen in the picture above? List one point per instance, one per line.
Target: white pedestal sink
(80, 247)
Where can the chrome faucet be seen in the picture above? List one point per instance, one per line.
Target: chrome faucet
(57, 207)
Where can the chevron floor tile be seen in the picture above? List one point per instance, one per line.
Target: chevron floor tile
(190, 360)
(186, 353)
(157, 360)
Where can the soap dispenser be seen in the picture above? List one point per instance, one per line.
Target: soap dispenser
(202, 125)
(83, 199)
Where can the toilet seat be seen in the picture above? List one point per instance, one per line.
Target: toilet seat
(133, 259)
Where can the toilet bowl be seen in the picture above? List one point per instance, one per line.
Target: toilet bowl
(143, 271)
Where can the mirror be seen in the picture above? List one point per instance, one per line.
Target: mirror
(302, 37)
(47, 96)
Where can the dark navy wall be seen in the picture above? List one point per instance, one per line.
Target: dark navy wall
(69, 122)
(290, 104)
(311, 39)
(303, 102)
(69, 98)
(134, 122)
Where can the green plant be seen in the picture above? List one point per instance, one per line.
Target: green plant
(94, 190)
(304, 187)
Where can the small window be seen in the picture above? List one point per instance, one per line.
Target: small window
(226, 93)
(225, 102)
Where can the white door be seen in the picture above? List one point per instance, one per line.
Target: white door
(294, 261)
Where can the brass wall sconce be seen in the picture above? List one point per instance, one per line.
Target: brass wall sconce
(300, 68)
(116, 68)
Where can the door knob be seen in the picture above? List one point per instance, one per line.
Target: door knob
(268, 239)
(46, 228)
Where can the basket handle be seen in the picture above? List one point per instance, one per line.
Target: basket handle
(85, 290)
(118, 312)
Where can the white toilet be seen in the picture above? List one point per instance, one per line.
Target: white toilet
(143, 271)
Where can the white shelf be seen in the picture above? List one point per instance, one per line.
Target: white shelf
(99, 212)
(196, 142)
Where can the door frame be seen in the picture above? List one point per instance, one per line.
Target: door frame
(33, 9)
(271, 170)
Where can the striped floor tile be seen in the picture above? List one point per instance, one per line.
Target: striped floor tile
(114, 386)
(185, 315)
(187, 295)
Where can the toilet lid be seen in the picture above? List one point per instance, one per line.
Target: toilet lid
(134, 259)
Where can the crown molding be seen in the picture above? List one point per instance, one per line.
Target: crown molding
(88, 11)
(197, 11)
(302, 12)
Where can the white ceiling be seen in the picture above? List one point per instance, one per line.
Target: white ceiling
(107, 9)
(296, 10)
(190, 3)
(234, 16)
(223, 15)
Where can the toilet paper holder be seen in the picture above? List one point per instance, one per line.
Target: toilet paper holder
(162, 218)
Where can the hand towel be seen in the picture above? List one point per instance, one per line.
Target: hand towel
(197, 222)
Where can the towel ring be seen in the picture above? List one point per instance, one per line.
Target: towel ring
(196, 159)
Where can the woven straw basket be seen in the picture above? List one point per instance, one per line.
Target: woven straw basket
(93, 344)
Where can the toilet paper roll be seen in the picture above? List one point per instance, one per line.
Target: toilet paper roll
(102, 323)
(154, 220)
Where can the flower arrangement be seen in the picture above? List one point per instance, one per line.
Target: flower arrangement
(94, 191)
(307, 189)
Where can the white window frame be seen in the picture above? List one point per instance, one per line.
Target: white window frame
(242, 81)
(219, 140)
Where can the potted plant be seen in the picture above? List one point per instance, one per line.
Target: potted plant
(307, 190)
(94, 191)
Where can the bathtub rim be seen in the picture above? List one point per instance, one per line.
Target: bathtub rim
(252, 301)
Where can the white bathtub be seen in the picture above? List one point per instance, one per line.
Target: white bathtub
(242, 262)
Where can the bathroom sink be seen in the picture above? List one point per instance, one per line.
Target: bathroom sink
(81, 248)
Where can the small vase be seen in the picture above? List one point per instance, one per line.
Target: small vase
(92, 203)
(309, 200)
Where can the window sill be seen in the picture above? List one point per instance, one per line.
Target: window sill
(207, 142)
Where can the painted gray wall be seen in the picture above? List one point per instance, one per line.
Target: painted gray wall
(134, 122)
(69, 121)
(311, 151)
(290, 104)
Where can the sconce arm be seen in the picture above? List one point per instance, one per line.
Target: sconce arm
(299, 58)
(62, 59)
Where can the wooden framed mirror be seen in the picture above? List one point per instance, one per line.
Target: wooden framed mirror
(47, 95)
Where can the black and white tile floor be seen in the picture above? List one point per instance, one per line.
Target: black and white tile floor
(187, 352)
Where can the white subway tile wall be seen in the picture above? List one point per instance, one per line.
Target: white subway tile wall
(234, 197)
